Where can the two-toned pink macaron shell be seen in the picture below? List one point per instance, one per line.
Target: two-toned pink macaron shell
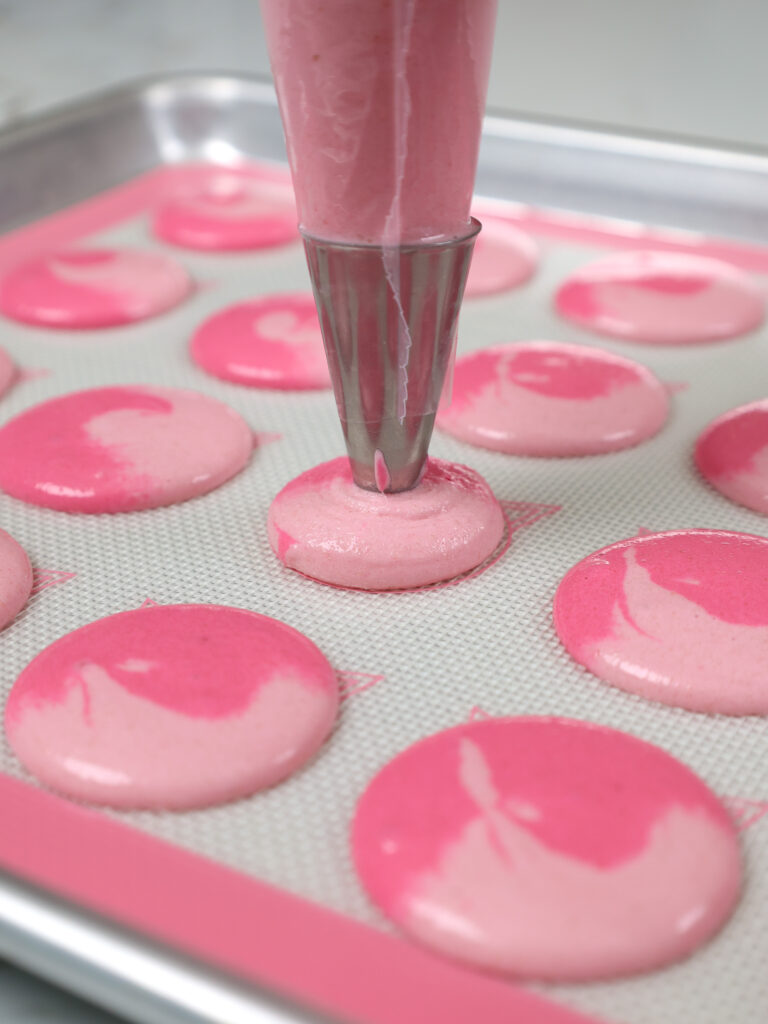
(732, 455)
(229, 213)
(547, 848)
(678, 617)
(120, 449)
(270, 342)
(663, 298)
(504, 258)
(172, 707)
(546, 398)
(92, 288)
(323, 525)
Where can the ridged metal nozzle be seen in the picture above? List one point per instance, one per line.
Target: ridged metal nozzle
(389, 316)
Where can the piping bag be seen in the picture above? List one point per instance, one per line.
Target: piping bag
(382, 104)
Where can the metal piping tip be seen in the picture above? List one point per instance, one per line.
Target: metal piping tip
(389, 316)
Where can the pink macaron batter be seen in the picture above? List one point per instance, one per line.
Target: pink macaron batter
(664, 298)
(325, 526)
(547, 848)
(679, 617)
(504, 258)
(174, 706)
(732, 455)
(549, 398)
(93, 288)
(270, 342)
(228, 213)
(120, 449)
(356, 84)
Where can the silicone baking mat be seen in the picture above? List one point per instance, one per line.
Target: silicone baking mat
(410, 664)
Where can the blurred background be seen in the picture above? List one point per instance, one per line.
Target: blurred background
(693, 68)
(682, 68)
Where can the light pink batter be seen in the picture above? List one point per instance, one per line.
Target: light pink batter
(91, 288)
(229, 213)
(118, 449)
(666, 298)
(504, 257)
(172, 706)
(382, 106)
(678, 617)
(549, 398)
(323, 525)
(15, 578)
(547, 848)
(732, 454)
(271, 342)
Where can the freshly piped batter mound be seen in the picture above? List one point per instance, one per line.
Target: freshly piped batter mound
(325, 526)
(174, 706)
(547, 848)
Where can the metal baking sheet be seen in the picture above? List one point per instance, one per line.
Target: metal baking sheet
(298, 839)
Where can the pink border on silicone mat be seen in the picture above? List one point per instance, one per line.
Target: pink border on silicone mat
(253, 930)
(291, 946)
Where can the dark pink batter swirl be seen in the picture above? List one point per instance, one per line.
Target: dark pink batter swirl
(548, 398)
(547, 848)
(92, 288)
(120, 449)
(665, 298)
(172, 706)
(677, 617)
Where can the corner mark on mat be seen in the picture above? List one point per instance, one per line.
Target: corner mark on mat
(745, 812)
(520, 514)
(25, 373)
(478, 714)
(42, 579)
(353, 683)
(262, 437)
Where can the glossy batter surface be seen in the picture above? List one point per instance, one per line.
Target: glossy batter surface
(732, 454)
(547, 848)
(323, 525)
(175, 706)
(229, 213)
(504, 258)
(92, 288)
(665, 298)
(119, 449)
(678, 617)
(549, 398)
(270, 342)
